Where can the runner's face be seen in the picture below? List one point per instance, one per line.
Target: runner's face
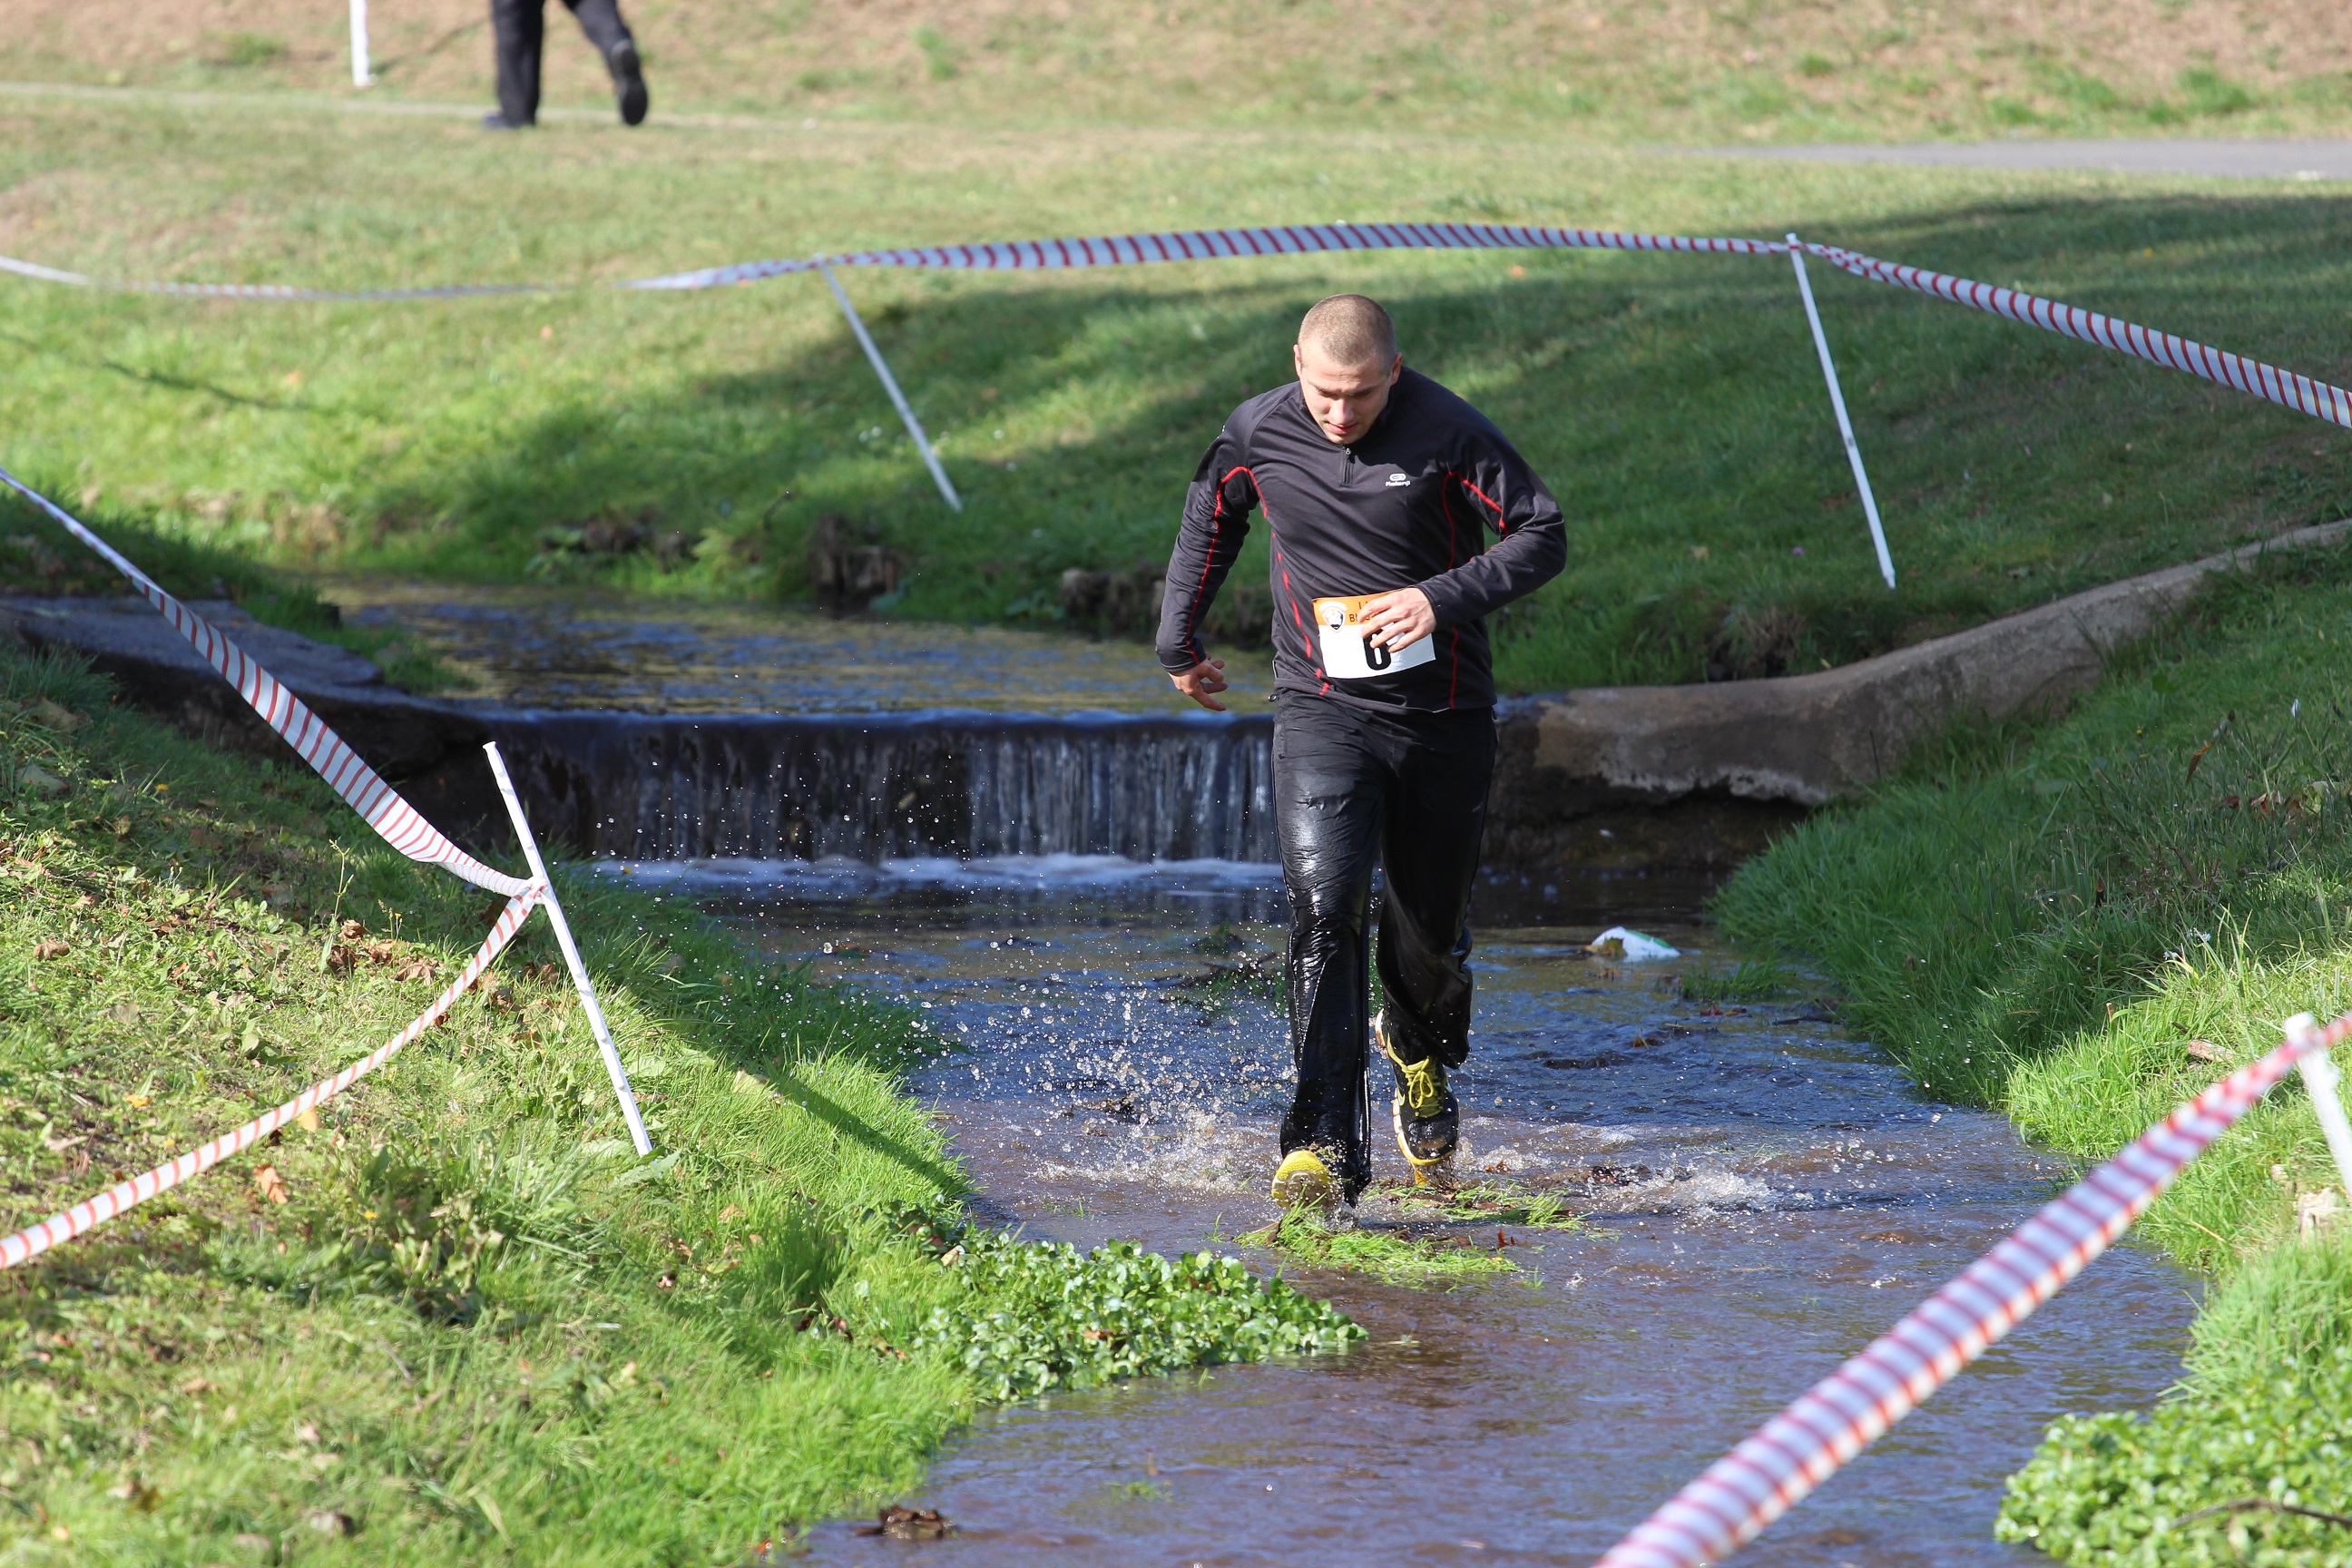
(1343, 398)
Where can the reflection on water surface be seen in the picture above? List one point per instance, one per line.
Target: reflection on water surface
(1770, 1194)
(544, 648)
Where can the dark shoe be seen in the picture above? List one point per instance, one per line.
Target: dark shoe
(629, 83)
(496, 121)
(1427, 1117)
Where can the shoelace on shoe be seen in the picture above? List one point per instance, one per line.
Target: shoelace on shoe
(1424, 1085)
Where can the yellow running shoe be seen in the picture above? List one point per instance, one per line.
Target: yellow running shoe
(1427, 1118)
(1304, 1182)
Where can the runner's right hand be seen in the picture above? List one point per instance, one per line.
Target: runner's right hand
(1203, 682)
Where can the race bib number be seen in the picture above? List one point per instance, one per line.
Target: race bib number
(1348, 655)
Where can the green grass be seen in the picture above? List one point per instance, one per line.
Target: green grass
(1398, 1256)
(456, 1321)
(1992, 906)
(1658, 73)
(1749, 980)
(1672, 401)
(1492, 1202)
(2085, 924)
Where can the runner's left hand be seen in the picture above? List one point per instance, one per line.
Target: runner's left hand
(1397, 620)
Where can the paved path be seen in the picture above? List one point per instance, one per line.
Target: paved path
(2307, 159)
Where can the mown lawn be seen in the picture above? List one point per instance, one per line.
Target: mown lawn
(1672, 401)
(1665, 71)
(2086, 923)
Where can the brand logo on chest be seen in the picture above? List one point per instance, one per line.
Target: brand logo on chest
(1398, 481)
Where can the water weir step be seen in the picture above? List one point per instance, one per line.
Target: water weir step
(1638, 779)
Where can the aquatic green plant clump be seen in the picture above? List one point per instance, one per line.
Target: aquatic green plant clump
(1397, 1257)
(1042, 1316)
(2119, 1489)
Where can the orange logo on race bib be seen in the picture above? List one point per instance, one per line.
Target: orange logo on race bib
(1348, 654)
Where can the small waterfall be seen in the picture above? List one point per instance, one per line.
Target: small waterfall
(871, 786)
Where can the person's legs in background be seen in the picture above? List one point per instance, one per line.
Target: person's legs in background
(518, 28)
(600, 20)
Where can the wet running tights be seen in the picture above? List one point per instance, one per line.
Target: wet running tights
(1353, 788)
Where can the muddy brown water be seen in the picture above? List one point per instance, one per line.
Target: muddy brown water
(1766, 1195)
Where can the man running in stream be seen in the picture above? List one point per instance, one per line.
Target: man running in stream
(1376, 483)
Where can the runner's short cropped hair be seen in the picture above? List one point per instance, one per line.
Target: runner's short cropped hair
(1352, 329)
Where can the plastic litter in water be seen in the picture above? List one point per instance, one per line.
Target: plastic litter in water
(1632, 946)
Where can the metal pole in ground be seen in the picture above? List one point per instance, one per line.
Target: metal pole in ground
(1837, 402)
(571, 955)
(890, 386)
(2320, 1077)
(362, 73)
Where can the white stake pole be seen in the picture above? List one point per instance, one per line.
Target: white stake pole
(571, 956)
(1845, 426)
(362, 73)
(2319, 1076)
(890, 384)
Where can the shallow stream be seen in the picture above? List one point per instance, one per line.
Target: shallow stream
(1766, 1197)
(1765, 1194)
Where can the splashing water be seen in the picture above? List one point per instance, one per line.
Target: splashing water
(1764, 1196)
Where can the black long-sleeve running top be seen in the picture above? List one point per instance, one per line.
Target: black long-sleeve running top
(1406, 505)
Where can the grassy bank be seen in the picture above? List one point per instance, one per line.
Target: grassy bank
(693, 445)
(2086, 923)
(1671, 72)
(453, 1317)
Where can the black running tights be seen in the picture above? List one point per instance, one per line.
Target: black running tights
(1407, 791)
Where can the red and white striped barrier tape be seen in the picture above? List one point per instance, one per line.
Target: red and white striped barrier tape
(279, 291)
(1108, 250)
(1222, 245)
(2254, 378)
(34, 1240)
(1804, 1446)
(399, 823)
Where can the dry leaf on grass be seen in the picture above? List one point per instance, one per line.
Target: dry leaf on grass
(269, 1183)
(51, 949)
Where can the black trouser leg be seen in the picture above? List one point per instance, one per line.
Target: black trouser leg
(600, 20)
(518, 28)
(1436, 821)
(1328, 790)
(1353, 787)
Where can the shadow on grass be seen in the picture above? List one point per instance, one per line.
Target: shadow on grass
(1672, 403)
(945, 1178)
